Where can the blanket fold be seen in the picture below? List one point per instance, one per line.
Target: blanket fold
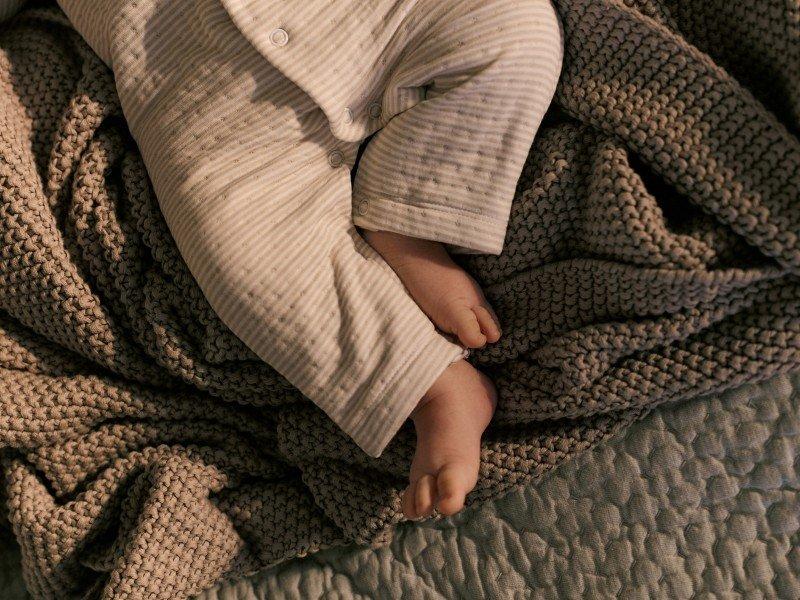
(652, 255)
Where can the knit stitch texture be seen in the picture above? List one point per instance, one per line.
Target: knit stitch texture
(651, 255)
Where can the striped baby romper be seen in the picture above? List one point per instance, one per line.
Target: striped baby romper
(249, 115)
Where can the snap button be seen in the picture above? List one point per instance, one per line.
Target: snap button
(279, 37)
(347, 115)
(362, 207)
(335, 159)
(375, 110)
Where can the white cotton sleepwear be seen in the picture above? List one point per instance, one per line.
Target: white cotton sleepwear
(249, 115)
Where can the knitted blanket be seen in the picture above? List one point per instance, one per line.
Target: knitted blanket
(652, 254)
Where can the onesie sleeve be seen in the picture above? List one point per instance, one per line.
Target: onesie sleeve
(446, 169)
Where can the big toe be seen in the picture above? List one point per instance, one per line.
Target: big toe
(466, 326)
(488, 323)
(453, 483)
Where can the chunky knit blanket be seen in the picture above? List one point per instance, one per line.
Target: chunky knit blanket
(651, 255)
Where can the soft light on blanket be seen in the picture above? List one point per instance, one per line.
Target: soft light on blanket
(651, 256)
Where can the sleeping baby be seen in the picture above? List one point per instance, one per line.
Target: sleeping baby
(249, 115)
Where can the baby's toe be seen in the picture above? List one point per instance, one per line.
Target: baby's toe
(408, 501)
(467, 327)
(425, 496)
(453, 483)
(418, 499)
(488, 324)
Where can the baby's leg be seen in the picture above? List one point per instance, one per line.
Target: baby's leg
(256, 192)
(449, 423)
(445, 170)
(448, 295)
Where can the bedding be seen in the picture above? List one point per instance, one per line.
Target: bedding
(651, 256)
(698, 499)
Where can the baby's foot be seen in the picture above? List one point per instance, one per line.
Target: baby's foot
(449, 421)
(444, 291)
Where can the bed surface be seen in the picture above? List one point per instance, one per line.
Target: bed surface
(699, 499)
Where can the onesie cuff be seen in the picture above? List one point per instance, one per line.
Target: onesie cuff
(462, 231)
(373, 426)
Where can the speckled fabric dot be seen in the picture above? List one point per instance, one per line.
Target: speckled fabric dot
(651, 255)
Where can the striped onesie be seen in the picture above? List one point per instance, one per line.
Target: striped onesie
(249, 115)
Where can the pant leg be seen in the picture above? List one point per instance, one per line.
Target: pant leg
(446, 168)
(256, 192)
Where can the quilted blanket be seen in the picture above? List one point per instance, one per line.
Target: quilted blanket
(699, 499)
(651, 255)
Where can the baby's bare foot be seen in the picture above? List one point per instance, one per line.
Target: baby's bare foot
(449, 421)
(444, 291)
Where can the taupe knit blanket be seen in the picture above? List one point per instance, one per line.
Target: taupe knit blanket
(652, 255)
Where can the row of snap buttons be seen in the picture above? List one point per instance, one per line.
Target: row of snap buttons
(280, 37)
(373, 110)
